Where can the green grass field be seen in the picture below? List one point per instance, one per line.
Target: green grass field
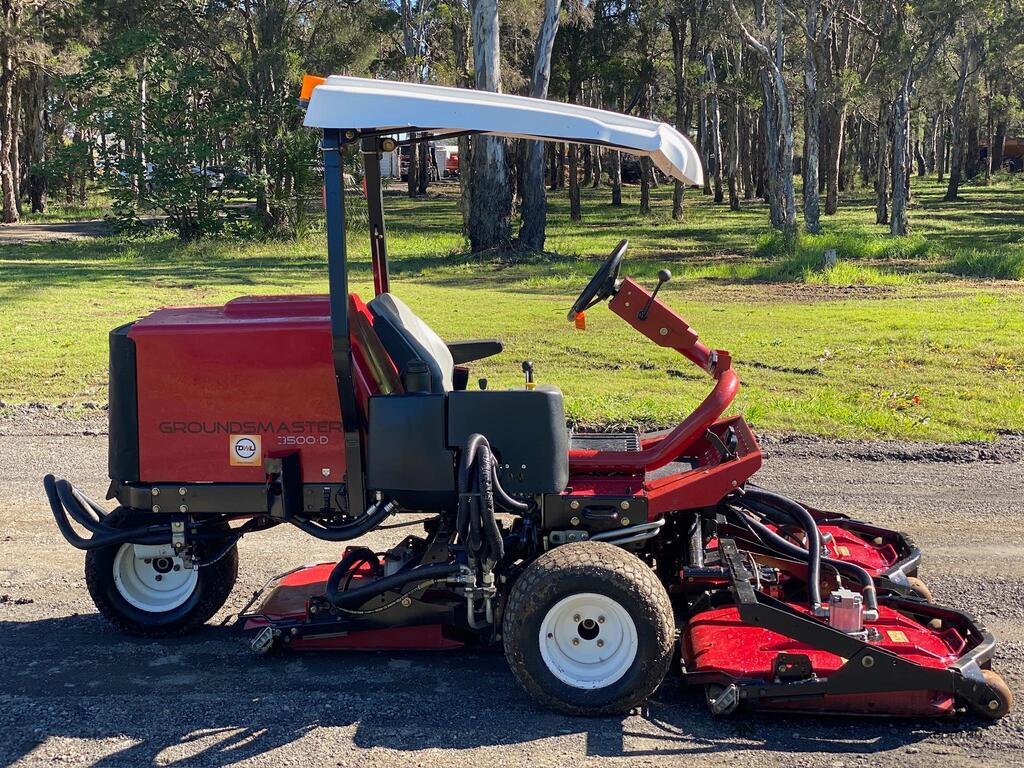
(919, 337)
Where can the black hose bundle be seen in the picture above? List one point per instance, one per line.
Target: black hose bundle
(770, 505)
(479, 490)
(763, 500)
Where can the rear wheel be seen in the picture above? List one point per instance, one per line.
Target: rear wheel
(155, 597)
(588, 630)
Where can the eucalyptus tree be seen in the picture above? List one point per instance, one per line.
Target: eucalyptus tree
(766, 37)
(534, 196)
(490, 212)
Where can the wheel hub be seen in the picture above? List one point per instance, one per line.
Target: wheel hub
(154, 585)
(588, 640)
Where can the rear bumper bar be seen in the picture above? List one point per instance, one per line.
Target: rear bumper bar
(67, 503)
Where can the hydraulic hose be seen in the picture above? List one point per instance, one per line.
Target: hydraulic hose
(760, 498)
(791, 549)
(354, 557)
(359, 595)
(366, 522)
(476, 522)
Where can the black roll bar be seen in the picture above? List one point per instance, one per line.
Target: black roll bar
(334, 195)
(371, 148)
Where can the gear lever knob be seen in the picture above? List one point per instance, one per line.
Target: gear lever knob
(528, 370)
(663, 277)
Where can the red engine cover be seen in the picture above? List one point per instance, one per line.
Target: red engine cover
(220, 388)
(718, 642)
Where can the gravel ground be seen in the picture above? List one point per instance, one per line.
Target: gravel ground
(74, 692)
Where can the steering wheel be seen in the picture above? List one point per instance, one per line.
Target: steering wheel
(604, 283)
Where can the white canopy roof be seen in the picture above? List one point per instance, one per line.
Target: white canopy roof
(383, 105)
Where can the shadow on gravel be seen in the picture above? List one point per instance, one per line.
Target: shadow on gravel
(206, 700)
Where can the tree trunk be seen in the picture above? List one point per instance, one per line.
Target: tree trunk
(677, 27)
(534, 198)
(900, 156)
(574, 183)
(882, 165)
(703, 139)
(595, 161)
(778, 121)
(36, 139)
(972, 151)
(645, 186)
(812, 122)
(940, 146)
(460, 41)
(956, 160)
(989, 134)
(733, 136)
(426, 162)
(616, 176)
(746, 138)
(8, 73)
(491, 204)
(998, 144)
(715, 126)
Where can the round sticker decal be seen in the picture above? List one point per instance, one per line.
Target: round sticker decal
(245, 448)
(245, 451)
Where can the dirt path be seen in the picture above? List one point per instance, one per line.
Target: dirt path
(71, 690)
(47, 232)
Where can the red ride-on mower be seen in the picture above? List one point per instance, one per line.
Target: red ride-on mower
(596, 559)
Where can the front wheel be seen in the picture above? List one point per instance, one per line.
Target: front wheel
(155, 597)
(589, 630)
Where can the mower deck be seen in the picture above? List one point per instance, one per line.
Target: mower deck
(284, 611)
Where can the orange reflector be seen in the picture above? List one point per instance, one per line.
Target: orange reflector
(581, 321)
(309, 82)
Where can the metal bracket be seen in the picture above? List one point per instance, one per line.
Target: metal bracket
(791, 666)
(263, 641)
(726, 702)
(178, 535)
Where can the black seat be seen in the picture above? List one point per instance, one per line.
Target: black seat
(406, 338)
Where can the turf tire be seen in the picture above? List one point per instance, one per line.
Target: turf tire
(214, 585)
(604, 569)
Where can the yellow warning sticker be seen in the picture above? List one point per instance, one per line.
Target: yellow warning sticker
(844, 551)
(897, 636)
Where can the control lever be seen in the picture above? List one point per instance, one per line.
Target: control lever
(663, 277)
(528, 370)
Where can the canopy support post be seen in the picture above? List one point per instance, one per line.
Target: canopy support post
(371, 148)
(341, 345)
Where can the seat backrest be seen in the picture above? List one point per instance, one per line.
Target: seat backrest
(406, 337)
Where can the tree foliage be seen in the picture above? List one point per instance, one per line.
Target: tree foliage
(786, 100)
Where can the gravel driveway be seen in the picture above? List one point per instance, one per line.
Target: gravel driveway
(72, 691)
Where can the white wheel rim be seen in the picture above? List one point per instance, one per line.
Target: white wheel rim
(588, 640)
(156, 585)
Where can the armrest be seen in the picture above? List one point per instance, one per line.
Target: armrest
(475, 349)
